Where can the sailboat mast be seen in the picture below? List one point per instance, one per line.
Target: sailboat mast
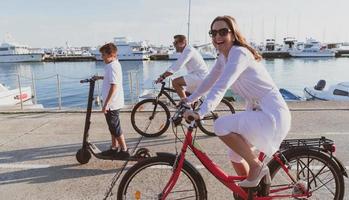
(189, 21)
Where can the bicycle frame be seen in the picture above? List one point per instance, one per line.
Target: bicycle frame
(214, 169)
(163, 91)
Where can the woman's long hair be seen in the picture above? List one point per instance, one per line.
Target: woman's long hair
(239, 39)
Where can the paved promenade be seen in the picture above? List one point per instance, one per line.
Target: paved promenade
(37, 151)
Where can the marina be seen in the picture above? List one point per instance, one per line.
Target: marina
(57, 84)
(129, 50)
(55, 138)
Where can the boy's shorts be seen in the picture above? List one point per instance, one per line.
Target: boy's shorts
(192, 81)
(113, 121)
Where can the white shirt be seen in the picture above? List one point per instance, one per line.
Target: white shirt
(113, 75)
(192, 60)
(240, 71)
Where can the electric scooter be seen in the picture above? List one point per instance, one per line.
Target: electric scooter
(83, 155)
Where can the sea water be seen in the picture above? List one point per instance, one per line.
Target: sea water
(52, 80)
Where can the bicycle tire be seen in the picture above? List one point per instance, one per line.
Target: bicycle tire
(153, 168)
(163, 124)
(297, 154)
(206, 126)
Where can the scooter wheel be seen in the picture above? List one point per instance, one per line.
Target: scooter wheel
(83, 156)
(142, 153)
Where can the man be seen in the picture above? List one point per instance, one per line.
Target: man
(194, 63)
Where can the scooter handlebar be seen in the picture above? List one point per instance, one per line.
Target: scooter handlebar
(93, 78)
(85, 80)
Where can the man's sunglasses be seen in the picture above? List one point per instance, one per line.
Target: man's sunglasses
(222, 32)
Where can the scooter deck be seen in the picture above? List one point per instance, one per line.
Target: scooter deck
(131, 158)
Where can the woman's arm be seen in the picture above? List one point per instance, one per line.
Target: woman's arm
(236, 64)
(207, 83)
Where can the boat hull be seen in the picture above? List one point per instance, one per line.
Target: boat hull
(125, 57)
(312, 94)
(13, 97)
(21, 58)
(307, 55)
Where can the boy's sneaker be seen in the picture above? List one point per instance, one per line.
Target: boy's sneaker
(110, 152)
(123, 154)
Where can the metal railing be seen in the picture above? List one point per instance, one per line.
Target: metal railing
(133, 83)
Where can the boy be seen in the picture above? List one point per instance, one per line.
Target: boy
(113, 97)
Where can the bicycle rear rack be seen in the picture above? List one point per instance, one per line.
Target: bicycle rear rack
(318, 143)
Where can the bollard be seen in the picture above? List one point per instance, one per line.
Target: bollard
(20, 91)
(130, 83)
(137, 86)
(98, 99)
(59, 93)
(35, 101)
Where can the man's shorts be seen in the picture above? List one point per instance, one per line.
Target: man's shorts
(192, 81)
(113, 122)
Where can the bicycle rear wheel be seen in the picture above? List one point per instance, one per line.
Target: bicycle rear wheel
(207, 123)
(147, 179)
(150, 118)
(313, 170)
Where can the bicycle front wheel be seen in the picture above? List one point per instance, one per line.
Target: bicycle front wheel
(313, 170)
(147, 179)
(150, 118)
(207, 123)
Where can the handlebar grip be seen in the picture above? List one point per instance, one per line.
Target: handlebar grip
(191, 118)
(84, 81)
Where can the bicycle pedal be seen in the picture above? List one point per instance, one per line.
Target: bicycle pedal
(252, 192)
(264, 189)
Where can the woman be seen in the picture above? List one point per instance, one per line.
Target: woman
(266, 120)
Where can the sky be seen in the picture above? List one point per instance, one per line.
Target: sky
(48, 23)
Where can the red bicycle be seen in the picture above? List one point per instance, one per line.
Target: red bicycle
(301, 169)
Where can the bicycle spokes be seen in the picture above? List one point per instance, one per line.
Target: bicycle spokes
(314, 178)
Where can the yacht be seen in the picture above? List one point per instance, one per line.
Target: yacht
(289, 44)
(127, 50)
(10, 52)
(269, 45)
(206, 50)
(311, 48)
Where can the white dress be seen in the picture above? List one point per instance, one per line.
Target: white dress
(266, 120)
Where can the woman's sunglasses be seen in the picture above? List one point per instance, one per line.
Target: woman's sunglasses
(222, 32)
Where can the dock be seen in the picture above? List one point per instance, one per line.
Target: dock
(276, 54)
(342, 53)
(37, 150)
(69, 58)
(159, 57)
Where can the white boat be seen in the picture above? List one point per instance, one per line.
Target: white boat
(269, 45)
(289, 44)
(13, 97)
(127, 50)
(10, 52)
(311, 48)
(338, 92)
(206, 53)
(205, 56)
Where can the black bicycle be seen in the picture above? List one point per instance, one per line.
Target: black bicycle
(151, 117)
